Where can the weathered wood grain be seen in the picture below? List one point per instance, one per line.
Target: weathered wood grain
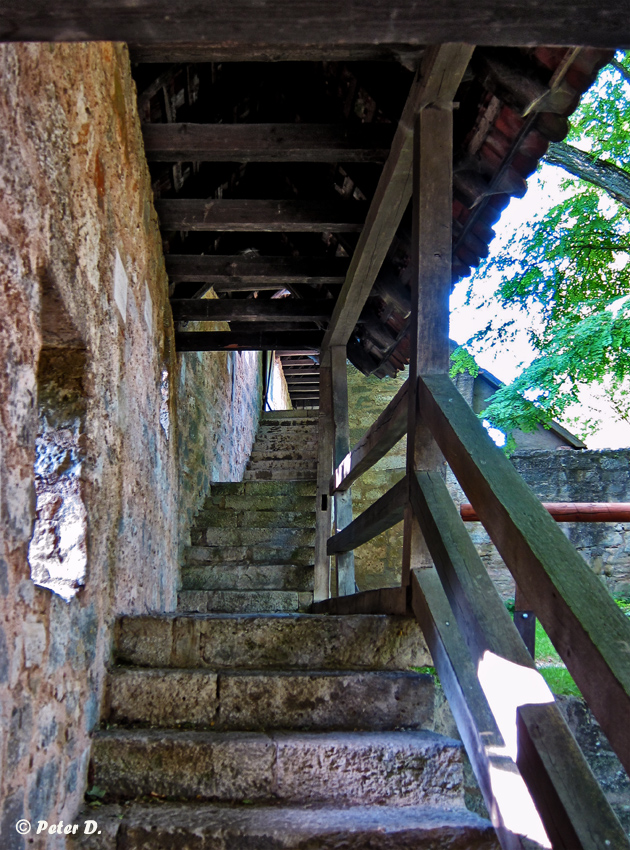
(442, 70)
(388, 429)
(260, 216)
(267, 142)
(227, 272)
(584, 624)
(251, 341)
(572, 806)
(381, 515)
(278, 310)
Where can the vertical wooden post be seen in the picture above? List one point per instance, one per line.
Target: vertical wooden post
(323, 513)
(343, 499)
(431, 286)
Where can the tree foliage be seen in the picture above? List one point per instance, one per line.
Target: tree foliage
(571, 268)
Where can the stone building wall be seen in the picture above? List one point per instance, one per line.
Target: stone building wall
(554, 475)
(95, 410)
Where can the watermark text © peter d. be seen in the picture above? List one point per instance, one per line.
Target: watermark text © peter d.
(86, 827)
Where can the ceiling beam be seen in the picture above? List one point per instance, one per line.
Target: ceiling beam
(267, 142)
(278, 25)
(442, 70)
(249, 272)
(261, 216)
(251, 310)
(248, 341)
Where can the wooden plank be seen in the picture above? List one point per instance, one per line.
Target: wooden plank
(571, 511)
(394, 601)
(251, 310)
(227, 272)
(442, 70)
(261, 216)
(267, 142)
(501, 785)
(251, 341)
(343, 501)
(323, 512)
(240, 29)
(584, 624)
(388, 429)
(573, 807)
(381, 515)
(407, 54)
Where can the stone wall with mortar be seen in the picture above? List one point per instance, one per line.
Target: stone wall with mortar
(554, 475)
(90, 391)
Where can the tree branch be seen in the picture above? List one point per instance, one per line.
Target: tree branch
(606, 175)
(625, 73)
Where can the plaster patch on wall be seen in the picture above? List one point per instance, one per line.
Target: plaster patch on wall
(165, 392)
(121, 286)
(148, 308)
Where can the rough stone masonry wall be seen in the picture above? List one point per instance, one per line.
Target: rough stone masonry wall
(554, 475)
(90, 388)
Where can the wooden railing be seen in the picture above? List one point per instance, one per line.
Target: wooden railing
(478, 653)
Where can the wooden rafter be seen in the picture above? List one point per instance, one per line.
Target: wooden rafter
(442, 71)
(244, 273)
(281, 310)
(267, 142)
(254, 340)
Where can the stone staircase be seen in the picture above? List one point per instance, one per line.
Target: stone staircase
(253, 542)
(272, 730)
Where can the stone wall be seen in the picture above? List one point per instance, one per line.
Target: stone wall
(94, 404)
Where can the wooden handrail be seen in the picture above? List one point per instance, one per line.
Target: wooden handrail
(385, 512)
(589, 631)
(571, 511)
(380, 437)
(572, 806)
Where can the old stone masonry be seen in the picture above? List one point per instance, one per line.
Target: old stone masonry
(241, 722)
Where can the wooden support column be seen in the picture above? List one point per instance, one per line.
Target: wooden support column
(343, 499)
(323, 513)
(431, 286)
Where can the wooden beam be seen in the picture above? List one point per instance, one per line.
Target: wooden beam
(343, 501)
(388, 429)
(572, 806)
(381, 515)
(584, 624)
(442, 70)
(394, 601)
(407, 54)
(251, 341)
(278, 310)
(226, 272)
(261, 216)
(497, 774)
(572, 511)
(267, 142)
(227, 29)
(323, 512)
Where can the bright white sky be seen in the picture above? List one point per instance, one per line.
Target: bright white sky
(505, 362)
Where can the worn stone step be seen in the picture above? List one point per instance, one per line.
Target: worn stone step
(271, 518)
(282, 502)
(300, 556)
(244, 536)
(289, 455)
(271, 699)
(225, 493)
(295, 768)
(296, 641)
(280, 475)
(290, 463)
(248, 577)
(288, 416)
(220, 827)
(243, 601)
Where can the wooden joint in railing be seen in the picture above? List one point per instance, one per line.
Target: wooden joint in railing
(589, 631)
(383, 514)
(571, 804)
(385, 432)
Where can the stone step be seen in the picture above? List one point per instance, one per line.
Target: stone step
(290, 463)
(280, 475)
(296, 641)
(248, 577)
(280, 502)
(243, 601)
(271, 699)
(278, 455)
(261, 489)
(294, 768)
(271, 518)
(258, 554)
(288, 416)
(290, 537)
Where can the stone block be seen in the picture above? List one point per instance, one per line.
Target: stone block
(238, 601)
(248, 577)
(162, 697)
